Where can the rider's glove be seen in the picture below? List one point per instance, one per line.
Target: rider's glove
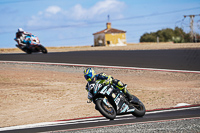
(108, 80)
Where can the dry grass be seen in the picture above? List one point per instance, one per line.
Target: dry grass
(130, 46)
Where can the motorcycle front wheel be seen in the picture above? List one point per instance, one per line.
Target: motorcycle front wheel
(44, 50)
(108, 112)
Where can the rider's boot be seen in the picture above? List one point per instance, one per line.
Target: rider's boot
(131, 98)
(128, 94)
(123, 87)
(28, 45)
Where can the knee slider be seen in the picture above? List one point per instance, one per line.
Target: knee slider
(120, 84)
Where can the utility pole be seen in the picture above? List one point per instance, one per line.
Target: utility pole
(157, 40)
(192, 26)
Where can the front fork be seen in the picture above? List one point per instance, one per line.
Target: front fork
(105, 100)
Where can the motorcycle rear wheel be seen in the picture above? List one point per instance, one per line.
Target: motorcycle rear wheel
(139, 109)
(108, 112)
(28, 51)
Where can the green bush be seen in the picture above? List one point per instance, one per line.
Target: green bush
(168, 35)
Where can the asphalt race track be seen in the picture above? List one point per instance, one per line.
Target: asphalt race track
(182, 59)
(93, 123)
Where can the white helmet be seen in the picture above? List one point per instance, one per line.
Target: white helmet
(20, 30)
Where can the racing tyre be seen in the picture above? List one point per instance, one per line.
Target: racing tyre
(108, 112)
(44, 50)
(28, 51)
(139, 108)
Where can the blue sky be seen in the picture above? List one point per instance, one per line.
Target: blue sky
(72, 23)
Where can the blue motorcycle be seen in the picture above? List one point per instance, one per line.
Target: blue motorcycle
(32, 45)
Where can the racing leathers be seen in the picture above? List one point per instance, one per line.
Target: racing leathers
(20, 38)
(109, 79)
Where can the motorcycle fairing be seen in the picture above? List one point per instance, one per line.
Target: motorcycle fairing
(104, 90)
(124, 108)
(105, 100)
(119, 99)
(97, 86)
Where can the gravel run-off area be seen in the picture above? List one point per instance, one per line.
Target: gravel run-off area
(172, 126)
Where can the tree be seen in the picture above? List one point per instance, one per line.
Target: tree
(167, 35)
(148, 36)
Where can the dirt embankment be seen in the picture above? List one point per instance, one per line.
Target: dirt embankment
(130, 46)
(39, 93)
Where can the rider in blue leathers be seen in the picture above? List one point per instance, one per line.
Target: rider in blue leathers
(20, 38)
(91, 77)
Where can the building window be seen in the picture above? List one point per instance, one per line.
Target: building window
(108, 42)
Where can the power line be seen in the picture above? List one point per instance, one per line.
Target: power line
(97, 22)
(86, 25)
(16, 1)
(134, 17)
(151, 15)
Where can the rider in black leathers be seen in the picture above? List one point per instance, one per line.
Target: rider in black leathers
(91, 77)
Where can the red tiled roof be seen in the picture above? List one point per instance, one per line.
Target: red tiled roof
(111, 30)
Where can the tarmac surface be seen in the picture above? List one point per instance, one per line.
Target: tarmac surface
(179, 59)
(186, 119)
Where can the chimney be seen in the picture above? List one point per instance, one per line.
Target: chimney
(108, 25)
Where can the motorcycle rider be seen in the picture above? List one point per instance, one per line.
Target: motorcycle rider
(91, 77)
(20, 38)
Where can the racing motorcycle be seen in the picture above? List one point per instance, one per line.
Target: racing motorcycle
(33, 45)
(110, 101)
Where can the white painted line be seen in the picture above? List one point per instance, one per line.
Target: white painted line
(80, 121)
(170, 110)
(166, 110)
(182, 104)
(102, 66)
(46, 124)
